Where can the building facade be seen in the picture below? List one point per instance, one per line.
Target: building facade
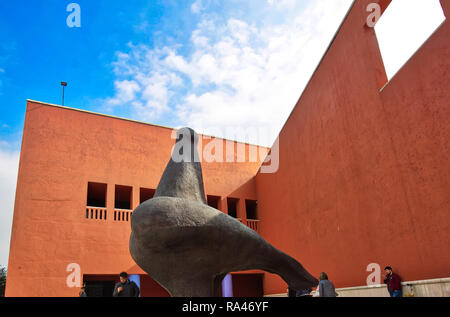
(363, 178)
(80, 177)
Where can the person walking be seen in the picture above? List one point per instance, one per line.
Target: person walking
(125, 288)
(393, 282)
(326, 288)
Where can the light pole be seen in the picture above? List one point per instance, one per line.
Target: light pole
(63, 84)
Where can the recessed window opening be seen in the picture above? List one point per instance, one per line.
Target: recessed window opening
(96, 195)
(213, 201)
(146, 194)
(251, 209)
(232, 207)
(403, 28)
(123, 197)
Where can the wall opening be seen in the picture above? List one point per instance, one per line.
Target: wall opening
(145, 194)
(251, 209)
(213, 201)
(248, 285)
(123, 197)
(96, 195)
(403, 28)
(232, 206)
(99, 285)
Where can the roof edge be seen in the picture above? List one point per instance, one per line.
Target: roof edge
(134, 121)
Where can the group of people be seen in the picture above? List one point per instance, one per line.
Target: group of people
(127, 288)
(326, 287)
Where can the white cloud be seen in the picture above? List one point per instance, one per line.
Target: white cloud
(282, 3)
(125, 92)
(239, 73)
(198, 6)
(9, 162)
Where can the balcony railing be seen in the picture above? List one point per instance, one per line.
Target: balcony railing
(251, 223)
(96, 213)
(122, 215)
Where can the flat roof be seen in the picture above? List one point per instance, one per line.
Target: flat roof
(131, 120)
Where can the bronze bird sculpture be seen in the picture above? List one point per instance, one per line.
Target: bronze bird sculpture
(189, 247)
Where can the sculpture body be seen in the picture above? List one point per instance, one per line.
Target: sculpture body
(189, 247)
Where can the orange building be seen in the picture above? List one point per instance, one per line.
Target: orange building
(364, 177)
(80, 176)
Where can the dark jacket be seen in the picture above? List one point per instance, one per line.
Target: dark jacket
(291, 292)
(130, 289)
(326, 289)
(393, 282)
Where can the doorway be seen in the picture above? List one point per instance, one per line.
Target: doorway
(100, 285)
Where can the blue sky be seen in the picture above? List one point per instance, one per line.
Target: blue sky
(214, 65)
(38, 50)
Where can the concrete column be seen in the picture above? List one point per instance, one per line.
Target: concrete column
(227, 286)
(241, 211)
(223, 206)
(110, 192)
(135, 198)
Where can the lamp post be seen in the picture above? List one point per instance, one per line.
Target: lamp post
(63, 84)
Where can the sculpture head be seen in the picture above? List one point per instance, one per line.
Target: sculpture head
(183, 177)
(185, 149)
(187, 134)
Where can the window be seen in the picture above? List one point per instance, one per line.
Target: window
(251, 210)
(213, 201)
(232, 207)
(96, 195)
(146, 194)
(403, 28)
(123, 197)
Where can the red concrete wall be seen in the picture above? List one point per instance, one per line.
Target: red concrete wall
(63, 150)
(248, 285)
(364, 175)
(149, 288)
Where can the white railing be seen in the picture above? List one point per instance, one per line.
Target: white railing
(96, 213)
(253, 224)
(122, 215)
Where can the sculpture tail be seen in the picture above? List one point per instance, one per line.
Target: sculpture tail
(290, 270)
